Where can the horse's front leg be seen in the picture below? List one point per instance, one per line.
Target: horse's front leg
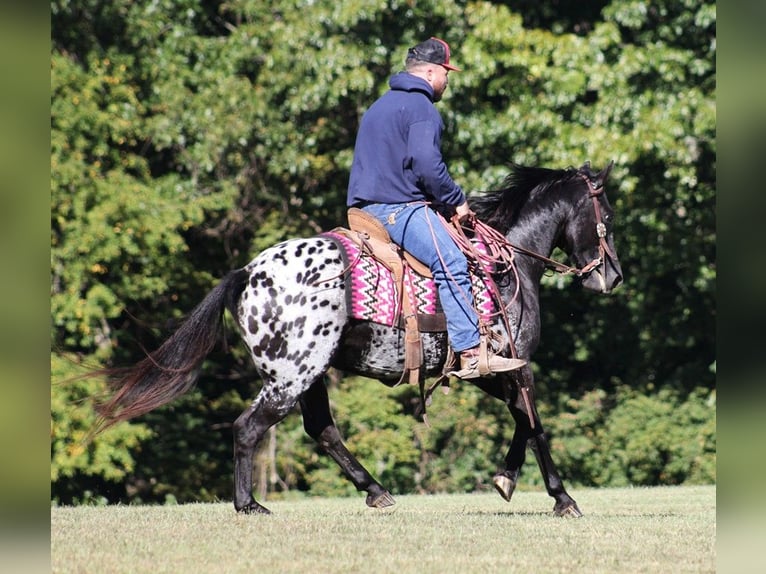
(529, 431)
(505, 480)
(504, 388)
(565, 504)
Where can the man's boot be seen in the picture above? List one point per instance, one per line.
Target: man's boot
(471, 366)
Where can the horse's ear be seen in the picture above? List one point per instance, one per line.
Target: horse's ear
(602, 176)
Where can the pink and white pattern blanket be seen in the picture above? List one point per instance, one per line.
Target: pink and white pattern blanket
(372, 295)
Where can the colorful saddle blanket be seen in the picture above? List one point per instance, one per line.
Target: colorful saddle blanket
(372, 294)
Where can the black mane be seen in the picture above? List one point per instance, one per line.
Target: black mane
(500, 208)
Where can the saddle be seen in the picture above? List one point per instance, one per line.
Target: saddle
(373, 239)
(370, 238)
(408, 276)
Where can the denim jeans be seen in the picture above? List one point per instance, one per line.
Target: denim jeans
(419, 230)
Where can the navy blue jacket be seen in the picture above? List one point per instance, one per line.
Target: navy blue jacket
(397, 156)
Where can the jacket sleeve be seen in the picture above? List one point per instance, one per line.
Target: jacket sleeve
(428, 165)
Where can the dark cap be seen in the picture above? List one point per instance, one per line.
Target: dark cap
(433, 50)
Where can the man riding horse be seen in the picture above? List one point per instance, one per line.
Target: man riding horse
(296, 318)
(398, 174)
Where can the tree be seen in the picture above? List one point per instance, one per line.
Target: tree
(187, 136)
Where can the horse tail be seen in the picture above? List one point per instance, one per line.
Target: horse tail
(171, 370)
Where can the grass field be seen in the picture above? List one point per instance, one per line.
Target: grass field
(632, 530)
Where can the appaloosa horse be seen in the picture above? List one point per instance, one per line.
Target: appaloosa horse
(291, 305)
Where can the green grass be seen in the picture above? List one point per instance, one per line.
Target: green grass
(669, 529)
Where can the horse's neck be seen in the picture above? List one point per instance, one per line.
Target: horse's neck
(536, 232)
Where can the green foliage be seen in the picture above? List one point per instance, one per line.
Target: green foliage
(634, 438)
(75, 453)
(116, 231)
(187, 136)
(190, 461)
(376, 427)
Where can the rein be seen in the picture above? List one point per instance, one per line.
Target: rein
(501, 250)
(500, 256)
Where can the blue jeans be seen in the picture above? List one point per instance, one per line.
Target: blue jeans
(419, 230)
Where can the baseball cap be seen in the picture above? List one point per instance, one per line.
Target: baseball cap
(433, 50)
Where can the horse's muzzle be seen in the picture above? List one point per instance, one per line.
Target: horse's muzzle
(603, 279)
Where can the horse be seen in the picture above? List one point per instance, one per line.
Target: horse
(291, 310)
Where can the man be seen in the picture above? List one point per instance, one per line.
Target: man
(398, 174)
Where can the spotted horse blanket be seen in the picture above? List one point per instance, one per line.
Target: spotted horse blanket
(372, 294)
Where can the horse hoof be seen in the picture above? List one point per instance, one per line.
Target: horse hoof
(504, 485)
(569, 511)
(382, 501)
(253, 508)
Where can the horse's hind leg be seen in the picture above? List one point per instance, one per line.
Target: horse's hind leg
(249, 429)
(319, 424)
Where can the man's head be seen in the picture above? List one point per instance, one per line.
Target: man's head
(430, 60)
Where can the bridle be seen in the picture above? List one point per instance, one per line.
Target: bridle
(595, 191)
(499, 251)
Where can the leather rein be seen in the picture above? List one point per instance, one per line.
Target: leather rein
(500, 251)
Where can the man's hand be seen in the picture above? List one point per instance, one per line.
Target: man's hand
(464, 212)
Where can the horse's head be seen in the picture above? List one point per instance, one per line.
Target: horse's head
(540, 208)
(587, 235)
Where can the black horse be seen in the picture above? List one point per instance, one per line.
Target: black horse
(290, 303)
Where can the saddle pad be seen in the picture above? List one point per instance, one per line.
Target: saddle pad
(372, 295)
